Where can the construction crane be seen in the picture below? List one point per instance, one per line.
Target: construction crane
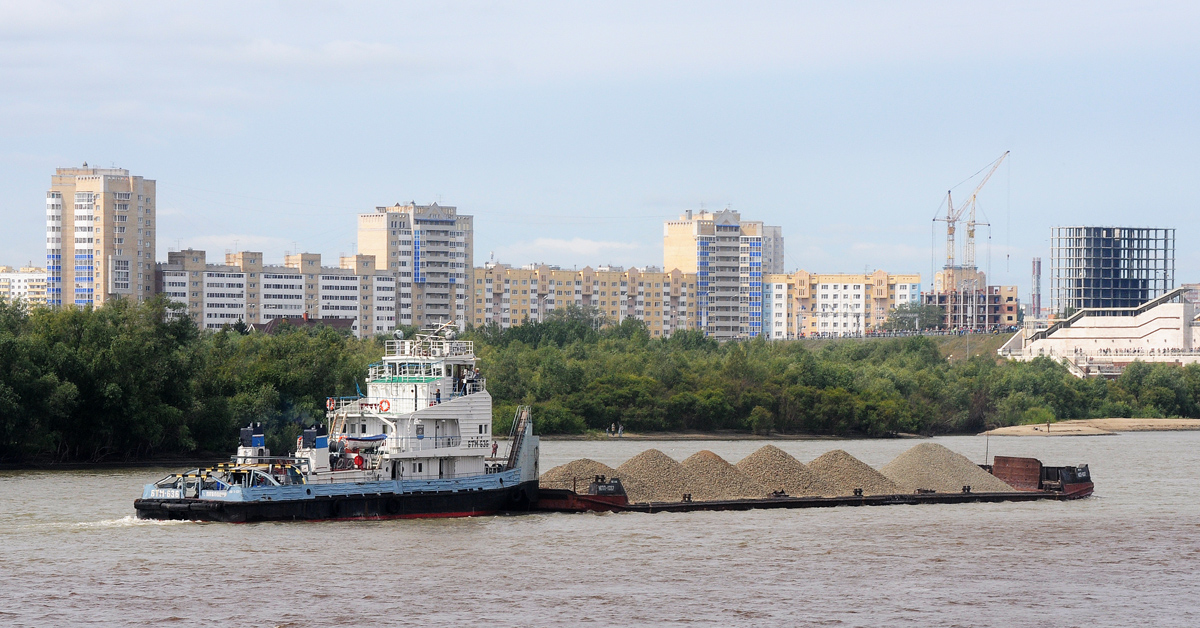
(954, 216)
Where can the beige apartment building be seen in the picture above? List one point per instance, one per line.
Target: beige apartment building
(508, 296)
(245, 289)
(99, 236)
(430, 249)
(27, 284)
(804, 304)
(729, 257)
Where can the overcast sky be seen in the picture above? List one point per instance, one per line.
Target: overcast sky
(572, 130)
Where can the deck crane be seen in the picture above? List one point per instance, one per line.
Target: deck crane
(954, 216)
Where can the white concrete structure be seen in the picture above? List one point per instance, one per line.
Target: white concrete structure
(1103, 341)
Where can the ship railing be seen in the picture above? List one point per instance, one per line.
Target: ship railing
(269, 468)
(412, 443)
(469, 387)
(335, 404)
(430, 348)
(393, 405)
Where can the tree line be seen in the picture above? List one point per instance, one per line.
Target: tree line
(132, 381)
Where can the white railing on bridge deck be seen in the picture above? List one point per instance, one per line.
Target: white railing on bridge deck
(430, 348)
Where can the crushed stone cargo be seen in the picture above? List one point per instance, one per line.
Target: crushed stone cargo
(711, 478)
(653, 476)
(846, 473)
(777, 470)
(575, 475)
(930, 466)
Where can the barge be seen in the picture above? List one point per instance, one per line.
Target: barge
(418, 444)
(1032, 480)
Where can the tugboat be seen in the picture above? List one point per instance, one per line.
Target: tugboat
(418, 444)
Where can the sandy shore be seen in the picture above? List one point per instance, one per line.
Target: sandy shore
(1097, 427)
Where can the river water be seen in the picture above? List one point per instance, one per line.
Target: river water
(72, 554)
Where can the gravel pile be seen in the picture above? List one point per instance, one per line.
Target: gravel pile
(711, 478)
(845, 473)
(777, 470)
(577, 474)
(653, 476)
(933, 467)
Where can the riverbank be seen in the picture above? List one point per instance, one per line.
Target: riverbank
(1098, 427)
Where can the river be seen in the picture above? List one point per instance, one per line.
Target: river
(71, 553)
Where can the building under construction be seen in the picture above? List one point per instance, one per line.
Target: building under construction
(960, 289)
(969, 303)
(1109, 267)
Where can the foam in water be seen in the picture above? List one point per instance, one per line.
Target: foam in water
(127, 521)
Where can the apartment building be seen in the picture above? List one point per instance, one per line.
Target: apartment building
(99, 236)
(804, 304)
(508, 296)
(430, 250)
(729, 257)
(27, 284)
(246, 289)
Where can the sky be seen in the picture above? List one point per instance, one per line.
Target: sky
(571, 131)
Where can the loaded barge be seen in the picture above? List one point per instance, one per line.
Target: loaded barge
(1032, 481)
(418, 444)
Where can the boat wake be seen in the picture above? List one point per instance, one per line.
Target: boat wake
(128, 521)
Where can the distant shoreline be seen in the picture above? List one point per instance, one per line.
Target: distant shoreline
(687, 436)
(1097, 427)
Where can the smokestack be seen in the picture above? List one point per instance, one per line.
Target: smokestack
(1035, 295)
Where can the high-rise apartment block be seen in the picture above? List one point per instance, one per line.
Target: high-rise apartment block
(508, 296)
(430, 249)
(804, 304)
(1109, 267)
(27, 284)
(99, 236)
(245, 289)
(728, 257)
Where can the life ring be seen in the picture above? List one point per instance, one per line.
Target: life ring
(330, 403)
(385, 405)
(358, 460)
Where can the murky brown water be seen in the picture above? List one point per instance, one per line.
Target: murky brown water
(71, 554)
